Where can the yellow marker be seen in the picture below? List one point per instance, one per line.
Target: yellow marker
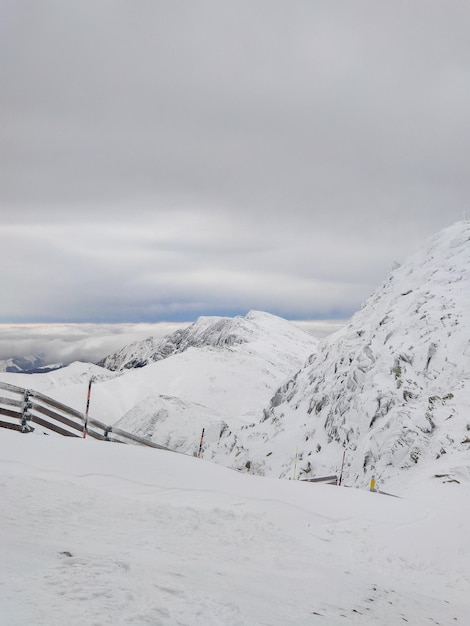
(372, 484)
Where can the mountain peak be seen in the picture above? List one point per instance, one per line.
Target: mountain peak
(211, 332)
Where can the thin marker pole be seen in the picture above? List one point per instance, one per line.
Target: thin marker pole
(85, 423)
(295, 462)
(341, 474)
(200, 445)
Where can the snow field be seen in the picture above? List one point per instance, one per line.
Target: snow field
(96, 533)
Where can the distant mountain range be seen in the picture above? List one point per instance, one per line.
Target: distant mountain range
(31, 365)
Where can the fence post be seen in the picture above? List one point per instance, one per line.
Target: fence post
(26, 417)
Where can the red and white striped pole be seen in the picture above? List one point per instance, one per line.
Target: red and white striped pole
(200, 445)
(85, 423)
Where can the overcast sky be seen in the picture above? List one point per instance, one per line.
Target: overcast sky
(165, 159)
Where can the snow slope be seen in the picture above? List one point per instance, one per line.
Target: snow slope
(392, 388)
(107, 534)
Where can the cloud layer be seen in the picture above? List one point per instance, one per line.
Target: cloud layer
(159, 160)
(65, 343)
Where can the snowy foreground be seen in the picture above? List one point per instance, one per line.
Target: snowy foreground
(97, 534)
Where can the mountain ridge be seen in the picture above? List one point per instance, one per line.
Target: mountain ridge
(206, 331)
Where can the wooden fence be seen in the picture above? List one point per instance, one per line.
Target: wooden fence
(329, 480)
(25, 410)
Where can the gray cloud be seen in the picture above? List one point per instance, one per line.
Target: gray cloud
(164, 159)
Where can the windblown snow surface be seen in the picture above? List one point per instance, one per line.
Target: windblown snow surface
(103, 534)
(391, 390)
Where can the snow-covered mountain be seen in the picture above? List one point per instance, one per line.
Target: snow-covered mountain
(227, 333)
(219, 372)
(30, 364)
(214, 375)
(392, 388)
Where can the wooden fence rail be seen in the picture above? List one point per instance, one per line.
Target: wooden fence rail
(329, 480)
(31, 409)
